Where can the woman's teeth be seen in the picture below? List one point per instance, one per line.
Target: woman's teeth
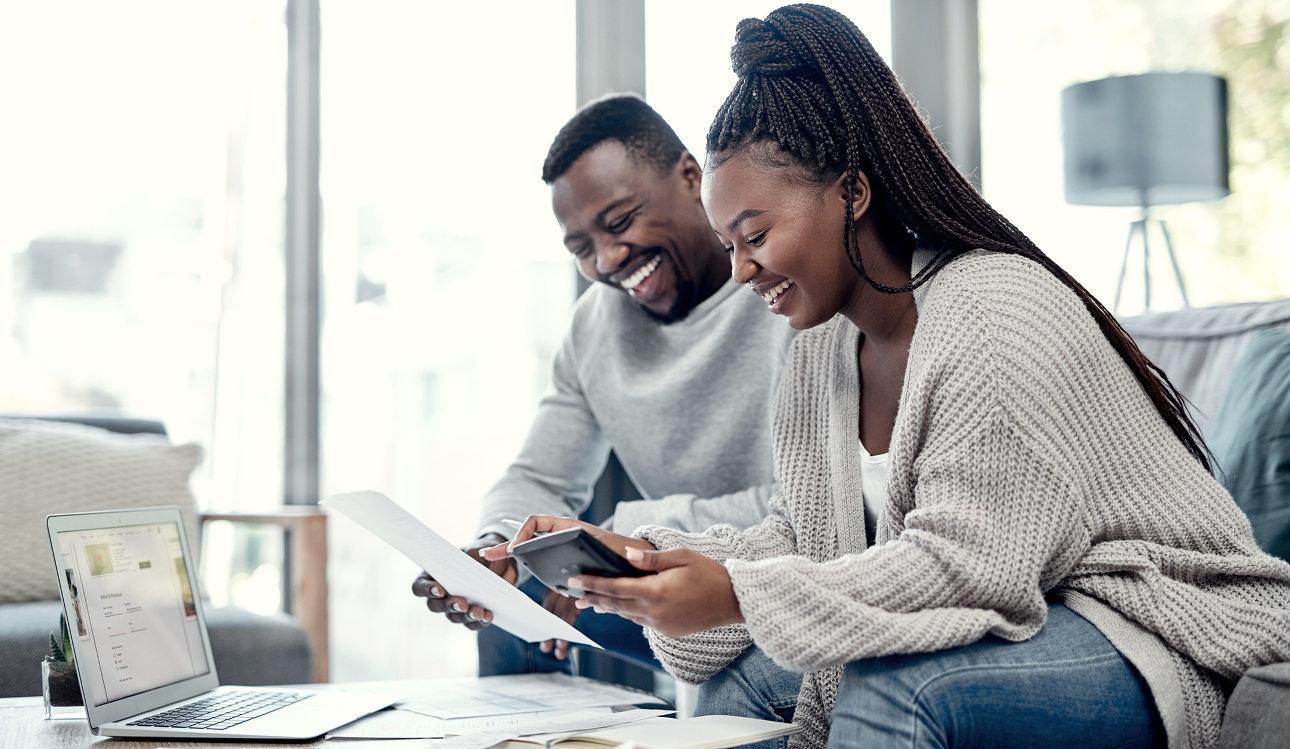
(641, 273)
(770, 295)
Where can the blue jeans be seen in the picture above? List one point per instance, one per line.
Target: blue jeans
(752, 687)
(1065, 687)
(501, 652)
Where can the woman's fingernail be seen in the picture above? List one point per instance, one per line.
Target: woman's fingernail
(635, 554)
(574, 582)
(457, 606)
(436, 591)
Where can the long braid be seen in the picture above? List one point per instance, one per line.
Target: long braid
(811, 83)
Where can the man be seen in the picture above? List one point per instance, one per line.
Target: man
(646, 370)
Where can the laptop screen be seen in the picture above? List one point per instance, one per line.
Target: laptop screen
(136, 620)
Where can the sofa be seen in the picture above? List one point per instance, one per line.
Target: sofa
(70, 464)
(1199, 349)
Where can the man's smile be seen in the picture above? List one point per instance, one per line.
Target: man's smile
(640, 274)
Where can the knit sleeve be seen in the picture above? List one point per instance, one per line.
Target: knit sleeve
(773, 536)
(694, 658)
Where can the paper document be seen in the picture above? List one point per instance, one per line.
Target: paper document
(498, 695)
(397, 723)
(512, 610)
(549, 728)
(706, 732)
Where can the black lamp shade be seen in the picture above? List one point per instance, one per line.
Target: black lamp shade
(1151, 139)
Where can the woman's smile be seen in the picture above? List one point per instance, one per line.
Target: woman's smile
(775, 294)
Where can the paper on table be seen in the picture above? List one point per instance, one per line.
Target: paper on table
(391, 724)
(400, 723)
(496, 695)
(550, 727)
(512, 610)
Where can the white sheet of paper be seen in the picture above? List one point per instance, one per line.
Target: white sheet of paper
(497, 695)
(391, 724)
(549, 728)
(512, 610)
(400, 723)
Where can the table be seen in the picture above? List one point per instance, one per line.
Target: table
(23, 726)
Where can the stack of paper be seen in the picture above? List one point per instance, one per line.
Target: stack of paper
(448, 707)
(706, 732)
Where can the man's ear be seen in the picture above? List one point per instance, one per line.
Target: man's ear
(862, 196)
(691, 174)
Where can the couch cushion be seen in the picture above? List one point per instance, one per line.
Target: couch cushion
(1258, 714)
(1251, 439)
(48, 467)
(1198, 347)
(249, 649)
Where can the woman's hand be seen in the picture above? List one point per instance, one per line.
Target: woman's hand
(535, 524)
(691, 593)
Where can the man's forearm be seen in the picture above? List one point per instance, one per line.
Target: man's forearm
(692, 514)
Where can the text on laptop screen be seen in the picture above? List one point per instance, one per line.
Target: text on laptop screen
(135, 618)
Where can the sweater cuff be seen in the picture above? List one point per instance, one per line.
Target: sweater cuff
(662, 538)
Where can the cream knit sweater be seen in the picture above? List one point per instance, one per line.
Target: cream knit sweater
(1026, 461)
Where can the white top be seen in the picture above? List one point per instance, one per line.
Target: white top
(873, 489)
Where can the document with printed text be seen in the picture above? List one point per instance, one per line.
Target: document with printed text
(461, 576)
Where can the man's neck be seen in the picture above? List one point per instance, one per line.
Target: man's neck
(715, 274)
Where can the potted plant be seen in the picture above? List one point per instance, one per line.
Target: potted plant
(62, 687)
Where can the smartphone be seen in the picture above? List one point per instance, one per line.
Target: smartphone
(553, 558)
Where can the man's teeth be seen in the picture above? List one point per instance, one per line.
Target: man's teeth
(770, 295)
(641, 273)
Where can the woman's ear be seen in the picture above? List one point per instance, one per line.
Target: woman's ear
(861, 197)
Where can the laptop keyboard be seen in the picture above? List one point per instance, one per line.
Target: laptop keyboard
(222, 711)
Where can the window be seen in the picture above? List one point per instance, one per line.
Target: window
(141, 183)
(1231, 250)
(447, 287)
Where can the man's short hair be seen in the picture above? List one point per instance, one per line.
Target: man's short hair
(625, 118)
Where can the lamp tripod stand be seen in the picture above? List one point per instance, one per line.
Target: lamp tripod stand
(1135, 228)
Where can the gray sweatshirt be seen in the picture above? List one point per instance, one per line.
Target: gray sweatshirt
(685, 406)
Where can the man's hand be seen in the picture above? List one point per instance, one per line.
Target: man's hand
(563, 607)
(458, 609)
(691, 593)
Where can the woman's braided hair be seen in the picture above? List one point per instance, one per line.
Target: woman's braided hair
(812, 84)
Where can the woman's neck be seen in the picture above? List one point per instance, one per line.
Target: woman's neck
(887, 322)
(884, 319)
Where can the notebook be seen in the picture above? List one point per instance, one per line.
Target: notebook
(706, 732)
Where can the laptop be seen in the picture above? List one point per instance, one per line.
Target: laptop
(142, 651)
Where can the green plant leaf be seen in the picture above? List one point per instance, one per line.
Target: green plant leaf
(55, 652)
(68, 653)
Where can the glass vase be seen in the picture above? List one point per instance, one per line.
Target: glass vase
(62, 691)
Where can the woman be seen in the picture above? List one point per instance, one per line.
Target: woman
(997, 523)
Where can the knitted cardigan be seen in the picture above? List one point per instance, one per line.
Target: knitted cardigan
(1026, 461)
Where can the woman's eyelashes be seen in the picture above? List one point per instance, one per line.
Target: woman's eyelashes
(752, 240)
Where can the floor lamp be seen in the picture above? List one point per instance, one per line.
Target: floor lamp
(1146, 140)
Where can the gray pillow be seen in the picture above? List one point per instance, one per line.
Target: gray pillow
(48, 467)
(1251, 439)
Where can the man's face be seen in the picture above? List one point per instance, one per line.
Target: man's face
(637, 229)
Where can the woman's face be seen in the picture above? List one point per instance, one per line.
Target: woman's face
(785, 236)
